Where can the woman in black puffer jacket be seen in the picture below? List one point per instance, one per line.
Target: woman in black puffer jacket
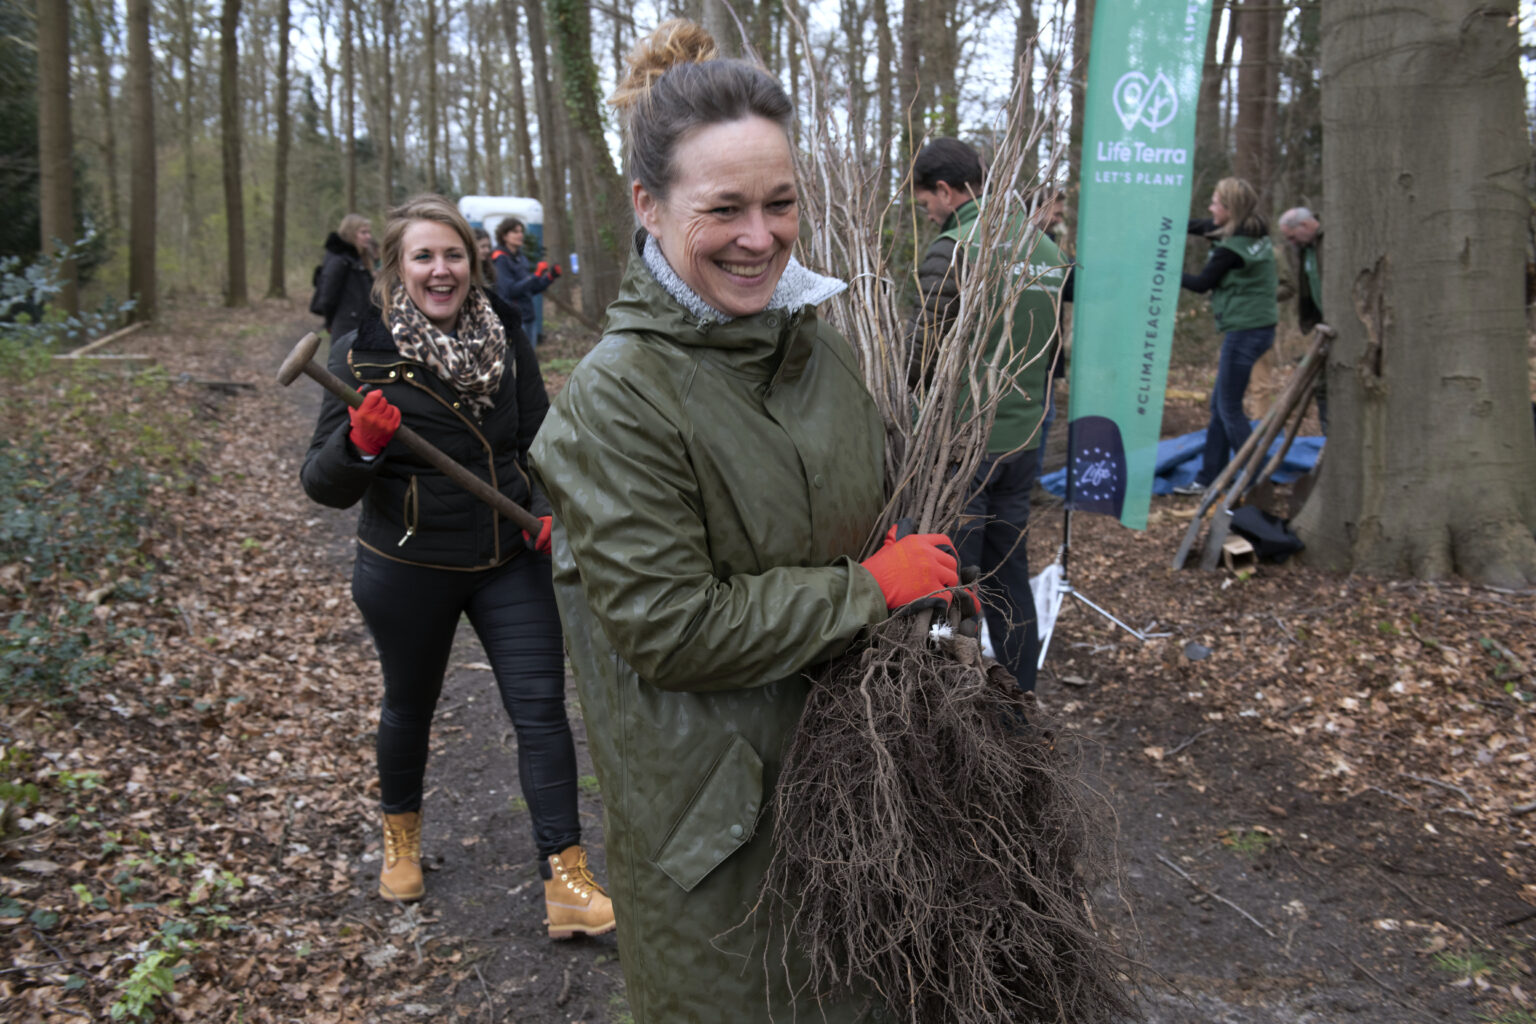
(452, 361)
(344, 284)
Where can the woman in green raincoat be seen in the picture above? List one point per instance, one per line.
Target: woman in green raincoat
(715, 470)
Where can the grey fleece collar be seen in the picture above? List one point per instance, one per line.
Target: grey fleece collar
(797, 286)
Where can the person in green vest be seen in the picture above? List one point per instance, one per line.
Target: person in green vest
(1241, 277)
(1301, 229)
(947, 179)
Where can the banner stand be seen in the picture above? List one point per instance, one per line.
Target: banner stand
(1052, 587)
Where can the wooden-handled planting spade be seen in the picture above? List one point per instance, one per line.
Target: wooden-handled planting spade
(302, 360)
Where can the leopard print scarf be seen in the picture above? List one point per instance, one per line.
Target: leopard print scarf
(471, 361)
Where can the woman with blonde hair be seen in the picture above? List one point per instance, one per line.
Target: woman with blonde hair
(451, 360)
(716, 467)
(1240, 275)
(344, 282)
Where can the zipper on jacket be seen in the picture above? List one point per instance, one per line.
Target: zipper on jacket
(410, 512)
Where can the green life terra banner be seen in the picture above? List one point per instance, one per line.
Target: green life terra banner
(1138, 165)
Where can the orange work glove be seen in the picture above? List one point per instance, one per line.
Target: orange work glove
(373, 423)
(554, 271)
(912, 566)
(542, 268)
(541, 542)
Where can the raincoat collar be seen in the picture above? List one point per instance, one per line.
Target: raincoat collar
(761, 346)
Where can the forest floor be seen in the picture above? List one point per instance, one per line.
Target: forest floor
(1322, 785)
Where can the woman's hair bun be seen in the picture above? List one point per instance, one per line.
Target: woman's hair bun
(675, 41)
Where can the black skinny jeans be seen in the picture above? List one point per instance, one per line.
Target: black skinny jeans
(413, 612)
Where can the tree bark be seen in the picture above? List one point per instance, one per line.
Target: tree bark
(557, 233)
(429, 60)
(384, 144)
(1252, 23)
(1211, 162)
(142, 198)
(96, 36)
(229, 126)
(56, 147)
(603, 215)
(1082, 36)
(276, 288)
(528, 179)
(1431, 462)
(349, 105)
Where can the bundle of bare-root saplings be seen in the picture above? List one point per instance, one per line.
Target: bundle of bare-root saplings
(935, 847)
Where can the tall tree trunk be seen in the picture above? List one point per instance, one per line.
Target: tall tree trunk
(96, 36)
(142, 284)
(429, 44)
(604, 214)
(384, 143)
(1082, 36)
(1271, 127)
(1252, 23)
(557, 234)
(528, 180)
(885, 72)
(717, 21)
(910, 107)
(186, 45)
(229, 128)
(1431, 464)
(275, 284)
(349, 104)
(1026, 26)
(1211, 163)
(56, 146)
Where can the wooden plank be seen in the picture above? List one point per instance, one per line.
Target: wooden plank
(102, 341)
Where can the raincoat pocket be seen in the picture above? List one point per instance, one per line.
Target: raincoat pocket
(718, 820)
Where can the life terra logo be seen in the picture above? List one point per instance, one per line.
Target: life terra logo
(1140, 101)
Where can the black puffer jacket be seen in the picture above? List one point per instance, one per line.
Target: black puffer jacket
(343, 290)
(412, 512)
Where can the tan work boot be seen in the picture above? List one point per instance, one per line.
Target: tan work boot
(400, 880)
(573, 899)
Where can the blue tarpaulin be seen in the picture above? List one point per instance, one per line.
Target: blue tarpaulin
(1178, 460)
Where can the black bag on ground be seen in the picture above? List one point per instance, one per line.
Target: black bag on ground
(1270, 535)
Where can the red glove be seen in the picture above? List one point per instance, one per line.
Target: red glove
(373, 423)
(541, 269)
(912, 567)
(554, 271)
(541, 543)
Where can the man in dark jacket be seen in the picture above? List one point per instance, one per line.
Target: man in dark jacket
(1301, 229)
(947, 181)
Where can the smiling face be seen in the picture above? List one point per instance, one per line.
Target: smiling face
(731, 218)
(435, 268)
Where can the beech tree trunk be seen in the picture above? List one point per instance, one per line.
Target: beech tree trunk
(429, 43)
(56, 146)
(603, 213)
(276, 288)
(528, 180)
(96, 36)
(349, 106)
(143, 284)
(384, 143)
(1211, 160)
(1255, 101)
(557, 233)
(1431, 464)
(235, 293)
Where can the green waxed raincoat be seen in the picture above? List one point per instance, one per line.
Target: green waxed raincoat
(713, 484)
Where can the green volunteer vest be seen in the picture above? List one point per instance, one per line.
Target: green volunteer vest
(1020, 411)
(1245, 297)
(1314, 275)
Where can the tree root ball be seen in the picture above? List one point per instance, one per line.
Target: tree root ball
(934, 845)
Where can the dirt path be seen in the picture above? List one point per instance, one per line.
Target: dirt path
(1252, 892)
